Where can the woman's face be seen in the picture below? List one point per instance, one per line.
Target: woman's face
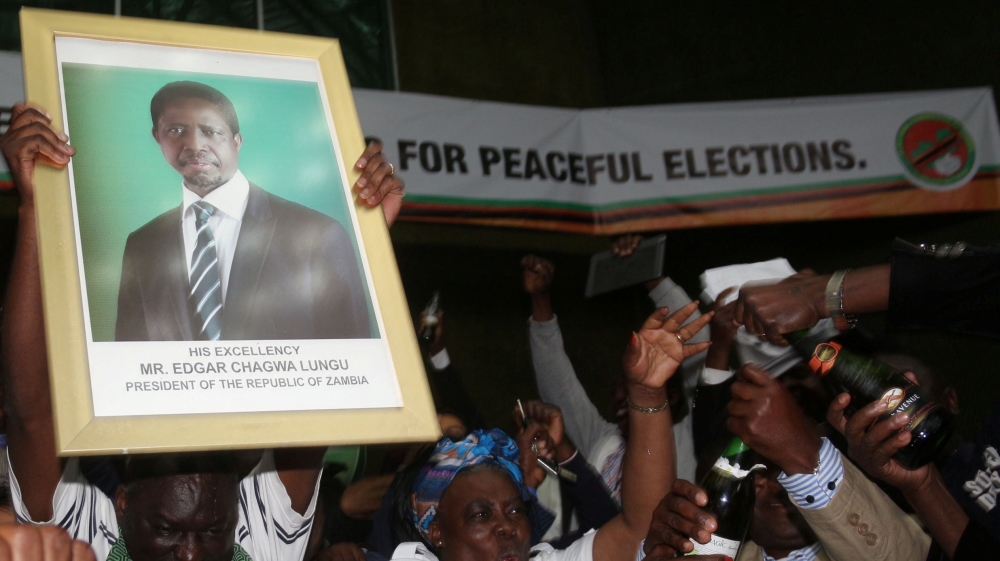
(482, 517)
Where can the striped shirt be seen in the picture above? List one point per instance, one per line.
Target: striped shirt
(815, 490)
(808, 553)
(268, 528)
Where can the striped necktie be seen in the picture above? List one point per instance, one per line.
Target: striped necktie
(206, 288)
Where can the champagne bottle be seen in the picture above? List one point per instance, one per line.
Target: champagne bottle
(431, 319)
(867, 380)
(731, 496)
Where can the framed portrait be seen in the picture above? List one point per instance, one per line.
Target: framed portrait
(208, 280)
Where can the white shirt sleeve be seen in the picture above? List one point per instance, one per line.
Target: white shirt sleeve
(816, 490)
(580, 550)
(269, 529)
(78, 507)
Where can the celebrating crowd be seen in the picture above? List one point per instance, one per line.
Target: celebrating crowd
(568, 484)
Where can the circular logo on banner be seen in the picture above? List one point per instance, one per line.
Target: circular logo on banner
(936, 151)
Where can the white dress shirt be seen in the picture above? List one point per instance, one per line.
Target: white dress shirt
(230, 202)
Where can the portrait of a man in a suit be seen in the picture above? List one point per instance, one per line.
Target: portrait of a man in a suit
(233, 261)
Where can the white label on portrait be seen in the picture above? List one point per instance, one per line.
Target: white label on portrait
(188, 377)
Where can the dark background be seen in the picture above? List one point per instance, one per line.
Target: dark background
(593, 53)
(576, 53)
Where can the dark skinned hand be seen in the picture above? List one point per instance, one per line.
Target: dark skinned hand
(677, 520)
(872, 444)
(656, 351)
(534, 474)
(538, 273)
(623, 246)
(24, 542)
(723, 331)
(765, 415)
(378, 183)
(344, 551)
(32, 138)
(551, 417)
(772, 310)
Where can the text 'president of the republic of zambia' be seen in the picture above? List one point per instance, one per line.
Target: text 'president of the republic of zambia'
(232, 261)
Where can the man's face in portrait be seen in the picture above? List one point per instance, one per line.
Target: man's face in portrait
(197, 142)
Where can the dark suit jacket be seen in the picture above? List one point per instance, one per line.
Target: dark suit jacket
(294, 276)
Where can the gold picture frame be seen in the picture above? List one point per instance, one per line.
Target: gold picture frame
(70, 335)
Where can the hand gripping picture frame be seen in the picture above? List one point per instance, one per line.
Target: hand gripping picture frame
(208, 280)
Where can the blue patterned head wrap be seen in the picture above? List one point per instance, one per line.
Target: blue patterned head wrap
(480, 446)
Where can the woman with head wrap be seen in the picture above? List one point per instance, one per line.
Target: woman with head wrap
(469, 502)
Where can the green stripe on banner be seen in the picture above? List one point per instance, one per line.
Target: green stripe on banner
(540, 203)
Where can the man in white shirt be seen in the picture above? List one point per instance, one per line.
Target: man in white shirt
(232, 261)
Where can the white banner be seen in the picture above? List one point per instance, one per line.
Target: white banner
(609, 170)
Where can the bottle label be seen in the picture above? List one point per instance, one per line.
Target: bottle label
(723, 464)
(716, 546)
(824, 356)
(908, 400)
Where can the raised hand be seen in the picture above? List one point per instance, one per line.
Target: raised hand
(378, 183)
(30, 139)
(873, 443)
(551, 417)
(537, 274)
(772, 310)
(658, 348)
(677, 519)
(765, 415)
(533, 433)
(723, 332)
(23, 542)
(623, 246)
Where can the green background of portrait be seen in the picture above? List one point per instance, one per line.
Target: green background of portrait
(123, 181)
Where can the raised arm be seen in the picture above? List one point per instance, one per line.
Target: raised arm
(23, 361)
(554, 373)
(799, 301)
(651, 358)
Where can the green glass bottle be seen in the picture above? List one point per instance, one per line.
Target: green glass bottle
(868, 379)
(731, 496)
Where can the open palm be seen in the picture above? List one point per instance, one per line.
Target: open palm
(656, 350)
